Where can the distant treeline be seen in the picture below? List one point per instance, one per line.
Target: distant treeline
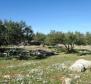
(14, 33)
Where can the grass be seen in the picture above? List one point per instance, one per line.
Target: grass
(45, 71)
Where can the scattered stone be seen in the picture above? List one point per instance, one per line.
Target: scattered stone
(42, 53)
(80, 65)
(6, 76)
(66, 80)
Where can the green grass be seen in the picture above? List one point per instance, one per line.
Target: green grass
(45, 71)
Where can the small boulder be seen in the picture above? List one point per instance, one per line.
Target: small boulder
(66, 80)
(80, 65)
(77, 67)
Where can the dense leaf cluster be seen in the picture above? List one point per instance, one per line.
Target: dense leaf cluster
(13, 33)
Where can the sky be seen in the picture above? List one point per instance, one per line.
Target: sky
(47, 15)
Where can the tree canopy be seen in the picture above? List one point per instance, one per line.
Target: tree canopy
(12, 32)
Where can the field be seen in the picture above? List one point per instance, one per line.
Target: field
(50, 70)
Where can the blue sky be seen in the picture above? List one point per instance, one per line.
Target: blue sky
(47, 15)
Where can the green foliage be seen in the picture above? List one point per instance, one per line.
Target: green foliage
(39, 37)
(28, 33)
(53, 38)
(68, 39)
(3, 35)
(88, 38)
(12, 32)
(80, 38)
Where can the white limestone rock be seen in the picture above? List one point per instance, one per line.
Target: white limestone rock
(80, 65)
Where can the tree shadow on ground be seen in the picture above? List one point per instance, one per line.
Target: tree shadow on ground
(82, 52)
(22, 54)
(41, 54)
